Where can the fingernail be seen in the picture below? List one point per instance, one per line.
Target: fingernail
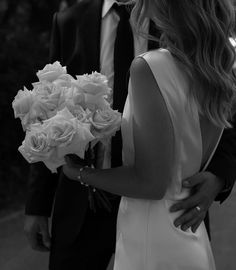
(176, 223)
(184, 228)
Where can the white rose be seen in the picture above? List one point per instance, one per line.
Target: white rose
(69, 135)
(44, 106)
(41, 109)
(105, 123)
(22, 103)
(93, 84)
(43, 88)
(96, 90)
(56, 97)
(51, 72)
(72, 99)
(56, 137)
(81, 114)
(74, 95)
(36, 147)
(96, 102)
(64, 80)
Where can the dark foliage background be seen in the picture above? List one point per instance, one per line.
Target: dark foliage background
(24, 48)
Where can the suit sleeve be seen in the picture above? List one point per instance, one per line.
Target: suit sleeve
(42, 183)
(223, 164)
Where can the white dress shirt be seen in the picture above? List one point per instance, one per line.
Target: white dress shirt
(110, 20)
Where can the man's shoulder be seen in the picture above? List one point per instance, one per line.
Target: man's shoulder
(76, 11)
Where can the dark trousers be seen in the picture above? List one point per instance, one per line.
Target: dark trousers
(93, 247)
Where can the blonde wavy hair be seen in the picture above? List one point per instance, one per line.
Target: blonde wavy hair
(197, 33)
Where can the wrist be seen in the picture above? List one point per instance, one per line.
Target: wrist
(219, 182)
(83, 173)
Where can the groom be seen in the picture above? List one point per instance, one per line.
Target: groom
(85, 38)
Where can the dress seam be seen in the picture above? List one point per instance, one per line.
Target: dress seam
(147, 237)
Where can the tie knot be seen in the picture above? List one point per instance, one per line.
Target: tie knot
(123, 10)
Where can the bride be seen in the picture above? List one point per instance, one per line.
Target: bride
(180, 99)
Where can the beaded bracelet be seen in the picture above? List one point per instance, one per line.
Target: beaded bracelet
(81, 178)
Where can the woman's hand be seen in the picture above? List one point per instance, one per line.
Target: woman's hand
(71, 169)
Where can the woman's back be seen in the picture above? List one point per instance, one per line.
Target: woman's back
(195, 136)
(154, 242)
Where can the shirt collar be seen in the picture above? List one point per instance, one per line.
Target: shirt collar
(107, 5)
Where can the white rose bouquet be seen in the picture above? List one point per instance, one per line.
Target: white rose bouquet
(64, 115)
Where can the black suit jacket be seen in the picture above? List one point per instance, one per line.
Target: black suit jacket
(76, 44)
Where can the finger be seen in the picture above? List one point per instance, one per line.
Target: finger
(189, 217)
(41, 246)
(68, 160)
(193, 180)
(35, 242)
(46, 240)
(195, 226)
(193, 220)
(188, 224)
(184, 218)
(187, 204)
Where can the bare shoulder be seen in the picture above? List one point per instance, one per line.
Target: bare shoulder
(142, 77)
(159, 60)
(145, 85)
(139, 67)
(140, 73)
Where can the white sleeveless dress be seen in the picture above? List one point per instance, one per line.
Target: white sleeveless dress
(146, 236)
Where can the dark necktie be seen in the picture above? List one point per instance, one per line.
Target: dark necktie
(123, 56)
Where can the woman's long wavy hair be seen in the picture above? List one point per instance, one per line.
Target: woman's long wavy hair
(197, 33)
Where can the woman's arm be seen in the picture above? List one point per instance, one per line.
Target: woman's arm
(153, 133)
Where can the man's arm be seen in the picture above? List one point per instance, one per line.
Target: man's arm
(40, 197)
(214, 184)
(41, 190)
(223, 164)
(42, 183)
